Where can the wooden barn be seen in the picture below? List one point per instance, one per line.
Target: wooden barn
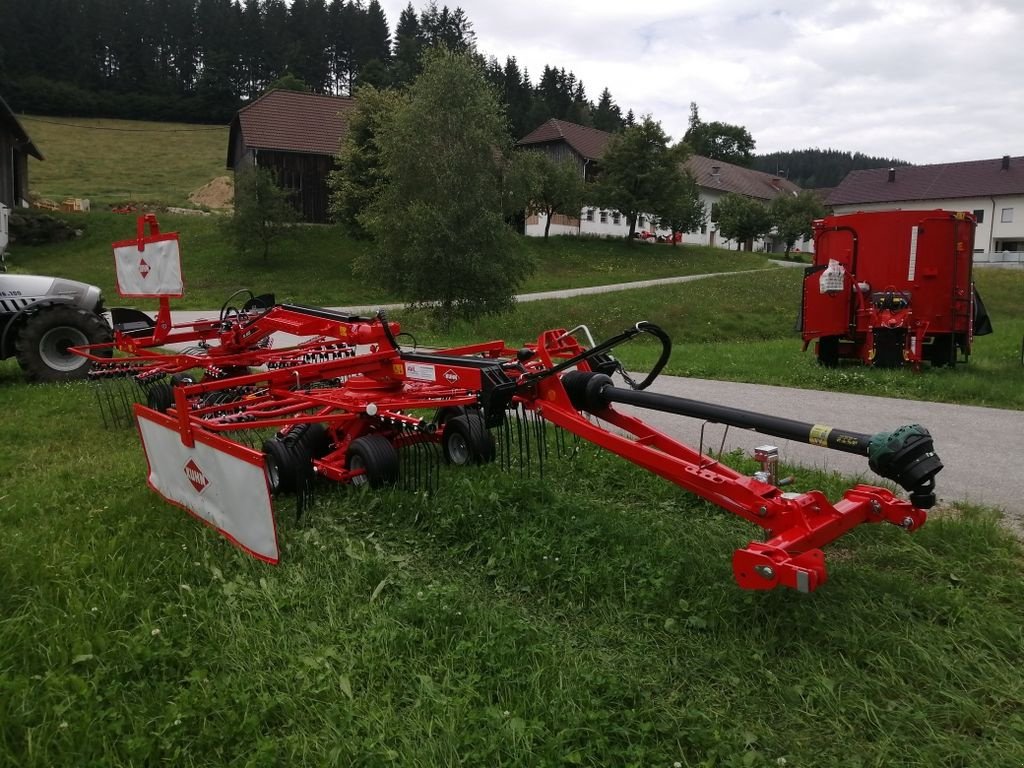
(15, 147)
(297, 136)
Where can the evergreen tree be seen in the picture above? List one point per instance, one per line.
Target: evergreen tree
(446, 28)
(372, 49)
(607, 115)
(408, 47)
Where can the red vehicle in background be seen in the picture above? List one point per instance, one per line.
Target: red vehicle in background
(893, 288)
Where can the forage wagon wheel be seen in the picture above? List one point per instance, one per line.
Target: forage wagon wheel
(828, 351)
(377, 457)
(44, 342)
(466, 441)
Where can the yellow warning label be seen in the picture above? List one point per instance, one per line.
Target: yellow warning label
(398, 368)
(343, 330)
(819, 435)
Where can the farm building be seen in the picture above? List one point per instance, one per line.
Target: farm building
(297, 136)
(15, 148)
(715, 179)
(993, 190)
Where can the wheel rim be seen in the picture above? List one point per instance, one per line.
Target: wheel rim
(54, 346)
(357, 463)
(458, 449)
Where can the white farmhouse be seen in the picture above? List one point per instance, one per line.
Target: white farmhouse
(993, 190)
(586, 146)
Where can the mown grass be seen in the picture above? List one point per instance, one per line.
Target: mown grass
(315, 264)
(117, 161)
(584, 618)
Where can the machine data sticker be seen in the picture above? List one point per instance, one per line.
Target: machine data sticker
(819, 435)
(420, 371)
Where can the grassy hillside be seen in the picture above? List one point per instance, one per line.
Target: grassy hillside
(114, 161)
(315, 264)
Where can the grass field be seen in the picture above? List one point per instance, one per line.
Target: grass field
(116, 161)
(584, 618)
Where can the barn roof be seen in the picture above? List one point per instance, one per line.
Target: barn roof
(726, 177)
(8, 120)
(589, 143)
(292, 121)
(943, 181)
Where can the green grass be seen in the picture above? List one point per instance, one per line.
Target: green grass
(315, 264)
(588, 618)
(116, 161)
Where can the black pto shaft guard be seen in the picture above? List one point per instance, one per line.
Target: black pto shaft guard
(907, 456)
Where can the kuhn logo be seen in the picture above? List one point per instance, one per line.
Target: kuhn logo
(451, 376)
(144, 268)
(195, 476)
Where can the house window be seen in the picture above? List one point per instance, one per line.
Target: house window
(714, 212)
(604, 216)
(590, 214)
(979, 216)
(640, 223)
(616, 218)
(703, 229)
(1006, 216)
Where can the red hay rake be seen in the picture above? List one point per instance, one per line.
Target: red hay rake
(232, 422)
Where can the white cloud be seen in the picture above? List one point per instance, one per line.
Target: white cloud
(926, 82)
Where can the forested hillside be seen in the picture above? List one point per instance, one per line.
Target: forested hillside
(200, 60)
(816, 168)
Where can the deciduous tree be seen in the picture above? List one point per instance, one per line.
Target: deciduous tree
(682, 210)
(639, 171)
(442, 240)
(743, 219)
(793, 216)
(719, 141)
(262, 212)
(552, 186)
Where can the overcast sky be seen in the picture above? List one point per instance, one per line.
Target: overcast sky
(924, 81)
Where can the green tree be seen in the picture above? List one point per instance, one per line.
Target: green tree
(438, 221)
(408, 45)
(607, 115)
(719, 141)
(793, 216)
(682, 210)
(552, 186)
(743, 219)
(639, 170)
(359, 176)
(262, 213)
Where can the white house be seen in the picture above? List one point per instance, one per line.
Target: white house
(715, 179)
(993, 190)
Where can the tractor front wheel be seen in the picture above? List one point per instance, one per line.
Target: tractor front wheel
(47, 336)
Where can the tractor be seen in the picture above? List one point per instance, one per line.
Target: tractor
(42, 318)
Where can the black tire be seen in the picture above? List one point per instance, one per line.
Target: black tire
(42, 345)
(377, 456)
(828, 351)
(466, 441)
(160, 397)
(281, 466)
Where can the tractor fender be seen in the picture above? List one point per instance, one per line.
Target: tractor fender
(14, 322)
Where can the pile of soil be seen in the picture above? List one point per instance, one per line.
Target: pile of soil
(219, 193)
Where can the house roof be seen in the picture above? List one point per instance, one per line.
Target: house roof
(590, 143)
(975, 178)
(719, 175)
(8, 119)
(293, 121)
